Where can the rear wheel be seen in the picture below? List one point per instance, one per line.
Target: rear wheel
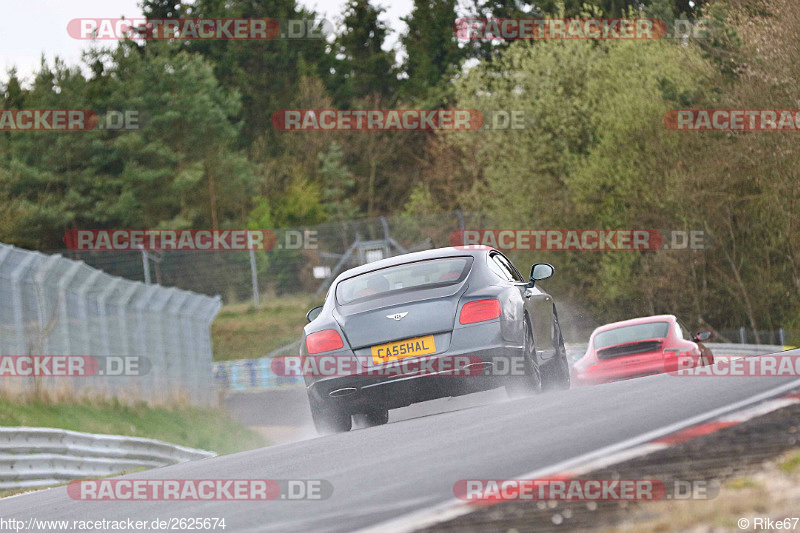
(377, 417)
(531, 382)
(328, 419)
(555, 373)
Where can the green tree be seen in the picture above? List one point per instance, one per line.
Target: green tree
(187, 142)
(12, 92)
(338, 185)
(594, 153)
(178, 169)
(362, 68)
(432, 52)
(266, 74)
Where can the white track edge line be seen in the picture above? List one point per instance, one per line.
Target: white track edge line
(454, 507)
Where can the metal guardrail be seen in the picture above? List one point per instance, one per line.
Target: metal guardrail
(744, 349)
(576, 351)
(43, 457)
(257, 374)
(243, 374)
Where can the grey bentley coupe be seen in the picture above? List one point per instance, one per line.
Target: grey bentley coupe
(428, 325)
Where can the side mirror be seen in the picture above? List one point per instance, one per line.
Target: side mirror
(541, 271)
(702, 336)
(314, 313)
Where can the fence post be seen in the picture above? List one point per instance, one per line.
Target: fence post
(84, 332)
(204, 376)
(141, 328)
(162, 299)
(19, 318)
(180, 367)
(83, 309)
(62, 295)
(123, 316)
(101, 310)
(39, 279)
(254, 277)
(145, 265)
(192, 342)
(782, 336)
(4, 252)
(741, 335)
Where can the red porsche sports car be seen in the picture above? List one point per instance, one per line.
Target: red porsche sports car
(640, 347)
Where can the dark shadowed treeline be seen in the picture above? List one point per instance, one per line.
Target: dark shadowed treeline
(596, 153)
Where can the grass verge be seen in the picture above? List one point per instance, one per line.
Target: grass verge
(204, 428)
(241, 331)
(771, 493)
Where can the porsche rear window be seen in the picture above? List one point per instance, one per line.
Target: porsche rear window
(638, 332)
(401, 278)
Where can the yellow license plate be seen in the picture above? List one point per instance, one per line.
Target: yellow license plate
(383, 353)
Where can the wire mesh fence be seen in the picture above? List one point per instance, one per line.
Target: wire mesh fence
(303, 260)
(745, 335)
(55, 311)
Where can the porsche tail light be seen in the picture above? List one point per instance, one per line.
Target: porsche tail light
(324, 341)
(479, 311)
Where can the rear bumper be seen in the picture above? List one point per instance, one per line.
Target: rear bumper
(578, 380)
(490, 355)
(610, 370)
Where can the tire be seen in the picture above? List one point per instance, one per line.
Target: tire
(531, 382)
(329, 420)
(377, 417)
(555, 373)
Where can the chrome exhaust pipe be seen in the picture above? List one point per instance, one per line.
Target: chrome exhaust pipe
(346, 391)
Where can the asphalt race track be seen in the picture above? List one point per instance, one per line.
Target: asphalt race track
(383, 473)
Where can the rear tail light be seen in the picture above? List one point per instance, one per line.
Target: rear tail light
(479, 311)
(324, 341)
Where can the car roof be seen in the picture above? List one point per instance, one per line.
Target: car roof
(635, 321)
(435, 253)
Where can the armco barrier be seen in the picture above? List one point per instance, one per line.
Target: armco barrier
(744, 349)
(50, 305)
(247, 374)
(250, 374)
(43, 457)
(576, 351)
(244, 374)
